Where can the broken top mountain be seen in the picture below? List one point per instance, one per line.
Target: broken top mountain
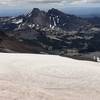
(51, 32)
(51, 19)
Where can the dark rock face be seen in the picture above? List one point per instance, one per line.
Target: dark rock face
(37, 17)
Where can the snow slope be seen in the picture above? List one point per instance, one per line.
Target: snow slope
(48, 77)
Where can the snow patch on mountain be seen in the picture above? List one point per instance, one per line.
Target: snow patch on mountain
(17, 21)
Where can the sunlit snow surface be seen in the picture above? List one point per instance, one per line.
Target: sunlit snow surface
(48, 77)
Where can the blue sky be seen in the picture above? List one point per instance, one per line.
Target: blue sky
(10, 7)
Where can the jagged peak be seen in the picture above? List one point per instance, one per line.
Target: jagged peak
(35, 10)
(53, 10)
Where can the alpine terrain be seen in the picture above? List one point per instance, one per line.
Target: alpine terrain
(51, 32)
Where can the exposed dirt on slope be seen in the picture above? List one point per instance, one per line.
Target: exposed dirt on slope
(10, 44)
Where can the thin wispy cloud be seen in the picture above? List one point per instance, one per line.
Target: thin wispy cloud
(17, 2)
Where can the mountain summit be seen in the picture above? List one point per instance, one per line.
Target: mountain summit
(52, 19)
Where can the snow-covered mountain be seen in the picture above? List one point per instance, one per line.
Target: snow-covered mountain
(47, 77)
